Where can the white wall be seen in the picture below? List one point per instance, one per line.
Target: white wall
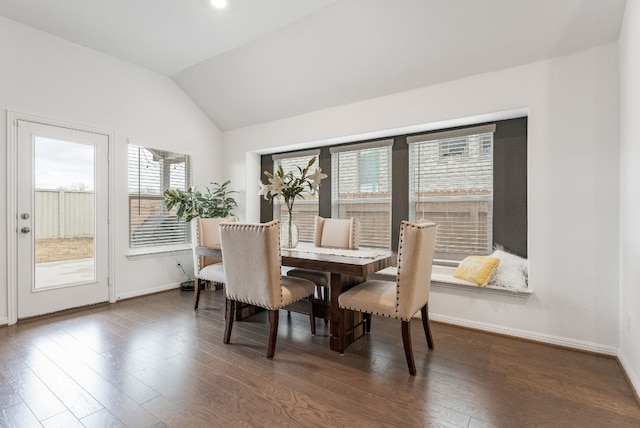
(629, 201)
(49, 77)
(573, 186)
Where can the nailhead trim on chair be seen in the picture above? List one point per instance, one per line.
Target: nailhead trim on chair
(355, 232)
(262, 227)
(416, 225)
(199, 258)
(353, 308)
(269, 308)
(400, 248)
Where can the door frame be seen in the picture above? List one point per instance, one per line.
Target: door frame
(12, 203)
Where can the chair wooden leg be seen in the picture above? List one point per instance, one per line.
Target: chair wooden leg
(273, 332)
(424, 312)
(196, 293)
(312, 317)
(408, 352)
(228, 322)
(367, 323)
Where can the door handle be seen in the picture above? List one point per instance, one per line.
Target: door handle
(25, 230)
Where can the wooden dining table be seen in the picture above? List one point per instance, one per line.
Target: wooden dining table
(346, 268)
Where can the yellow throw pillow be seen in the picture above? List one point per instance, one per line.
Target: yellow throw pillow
(477, 269)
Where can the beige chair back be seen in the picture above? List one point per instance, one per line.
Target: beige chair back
(252, 263)
(205, 233)
(415, 260)
(337, 232)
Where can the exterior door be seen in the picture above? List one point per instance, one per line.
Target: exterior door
(62, 218)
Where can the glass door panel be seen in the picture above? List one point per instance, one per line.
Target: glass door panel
(64, 212)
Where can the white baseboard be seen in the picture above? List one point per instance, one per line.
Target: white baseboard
(524, 334)
(151, 290)
(4, 321)
(631, 374)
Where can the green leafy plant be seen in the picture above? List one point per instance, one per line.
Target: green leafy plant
(192, 203)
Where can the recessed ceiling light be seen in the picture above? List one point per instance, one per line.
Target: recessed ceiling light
(220, 4)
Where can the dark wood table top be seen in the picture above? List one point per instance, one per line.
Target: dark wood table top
(340, 264)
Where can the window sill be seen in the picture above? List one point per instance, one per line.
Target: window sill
(442, 278)
(153, 252)
(514, 292)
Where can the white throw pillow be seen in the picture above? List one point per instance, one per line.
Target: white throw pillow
(512, 272)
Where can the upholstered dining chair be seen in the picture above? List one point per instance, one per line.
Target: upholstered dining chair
(404, 297)
(205, 233)
(333, 233)
(252, 266)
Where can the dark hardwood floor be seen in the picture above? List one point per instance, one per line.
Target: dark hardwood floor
(155, 362)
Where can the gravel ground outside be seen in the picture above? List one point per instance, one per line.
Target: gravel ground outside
(57, 250)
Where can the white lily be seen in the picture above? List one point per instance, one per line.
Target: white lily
(277, 185)
(316, 177)
(264, 190)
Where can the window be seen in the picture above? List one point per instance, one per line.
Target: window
(368, 160)
(454, 147)
(361, 187)
(451, 183)
(480, 201)
(151, 171)
(304, 209)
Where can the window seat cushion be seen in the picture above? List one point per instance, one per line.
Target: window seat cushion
(443, 275)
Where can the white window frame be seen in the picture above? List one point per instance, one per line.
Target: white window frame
(155, 192)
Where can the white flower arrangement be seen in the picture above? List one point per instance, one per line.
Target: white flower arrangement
(290, 185)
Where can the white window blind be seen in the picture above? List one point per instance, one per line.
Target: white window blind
(151, 171)
(361, 187)
(451, 183)
(304, 209)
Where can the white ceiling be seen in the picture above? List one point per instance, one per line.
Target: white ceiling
(262, 60)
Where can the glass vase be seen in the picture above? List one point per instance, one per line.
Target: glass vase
(289, 233)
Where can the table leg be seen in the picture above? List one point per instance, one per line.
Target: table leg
(340, 283)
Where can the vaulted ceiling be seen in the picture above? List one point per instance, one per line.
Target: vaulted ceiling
(260, 60)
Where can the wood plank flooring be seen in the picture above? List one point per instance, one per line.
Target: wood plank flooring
(155, 362)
